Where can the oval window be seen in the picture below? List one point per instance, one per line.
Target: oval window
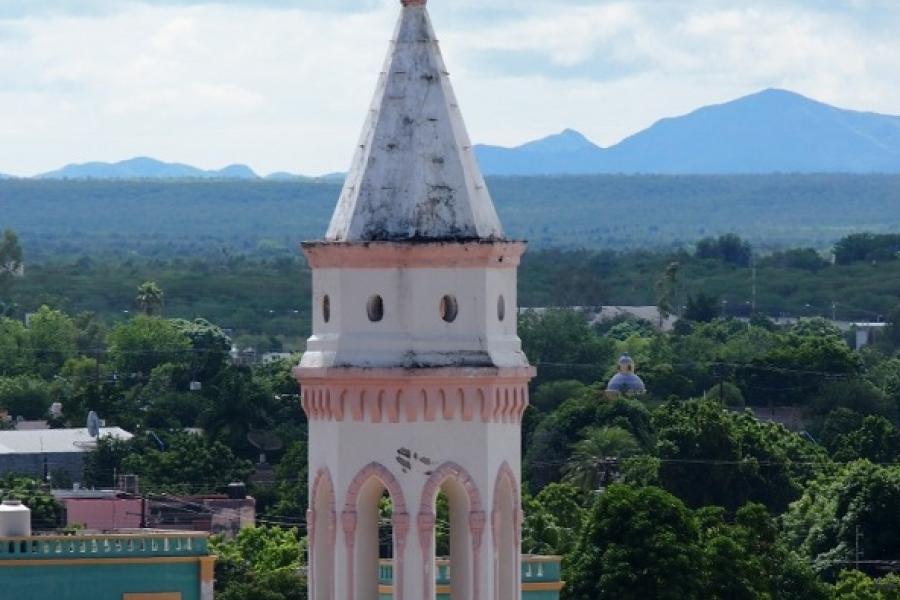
(326, 308)
(375, 308)
(501, 307)
(449, 308)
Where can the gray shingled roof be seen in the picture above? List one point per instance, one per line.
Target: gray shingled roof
(414, 175)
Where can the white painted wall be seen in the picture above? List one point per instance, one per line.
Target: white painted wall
(412, 331)
(347, 447)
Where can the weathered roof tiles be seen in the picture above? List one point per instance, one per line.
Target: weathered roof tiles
(414, 176)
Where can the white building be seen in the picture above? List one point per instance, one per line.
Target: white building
(414, 380)
(40, 453)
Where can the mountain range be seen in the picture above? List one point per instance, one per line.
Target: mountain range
(773, 131)
(146, 168)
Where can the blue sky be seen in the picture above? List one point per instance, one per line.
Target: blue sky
(285, 84)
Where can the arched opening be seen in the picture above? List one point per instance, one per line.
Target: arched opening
(375, 524)
(451, 499)
(505, 539)
(374, 537)
(323, 545)
(459, 541)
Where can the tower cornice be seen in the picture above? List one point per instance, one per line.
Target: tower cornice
(420, 254)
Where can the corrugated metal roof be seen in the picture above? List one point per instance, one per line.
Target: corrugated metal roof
(54, 440)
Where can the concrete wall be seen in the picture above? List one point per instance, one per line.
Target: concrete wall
(34, 465)
(104, 514)
(95, 580)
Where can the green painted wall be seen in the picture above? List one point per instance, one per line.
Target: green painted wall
(97, 582)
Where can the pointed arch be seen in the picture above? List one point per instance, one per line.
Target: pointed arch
(321, 519)
(440, 475)
(506, 523)
(350, 518)
(470, 532)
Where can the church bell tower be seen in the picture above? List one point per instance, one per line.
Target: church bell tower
(414, 381)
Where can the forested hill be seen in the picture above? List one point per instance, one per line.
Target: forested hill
(155, 218)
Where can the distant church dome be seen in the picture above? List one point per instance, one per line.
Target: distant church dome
(625, 382)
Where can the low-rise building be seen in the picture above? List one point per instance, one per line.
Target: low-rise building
(40, 453)
(125, 565)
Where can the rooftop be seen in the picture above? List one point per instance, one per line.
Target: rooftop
(414, 176)
(53, 441)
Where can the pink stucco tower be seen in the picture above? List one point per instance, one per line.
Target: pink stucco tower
(414, 380)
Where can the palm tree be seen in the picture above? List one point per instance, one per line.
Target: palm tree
(150, 298)
(594, 457)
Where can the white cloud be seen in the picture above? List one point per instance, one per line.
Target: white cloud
(285, 85)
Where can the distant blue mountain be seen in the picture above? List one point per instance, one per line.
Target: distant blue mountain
(769, 132)
(773, 131)
(567, 152)
(146, 168)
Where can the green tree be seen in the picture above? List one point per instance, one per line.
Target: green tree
(563, 345)
(728, 248)
(10, 263)
(548, 450)
(150, 298)
(291, 475)
(711, 456)
(140, 345)
(261, 563)
(637, 544)
(746, 559)
(666, 288)
(552, 394)
(237, 403)
(702, 308)
(876, 439)
(185, 463)
(26, 396)
(855, 585)
(105, 461)
(46, 512)
(595, 458)
(53, 338)
(209, 344)
(16, 356)
(837, 510)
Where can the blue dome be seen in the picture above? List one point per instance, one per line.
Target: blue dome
(626, 383)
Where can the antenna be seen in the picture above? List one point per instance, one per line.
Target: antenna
(93, 424)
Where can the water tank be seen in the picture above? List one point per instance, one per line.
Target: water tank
(15, 519)
(237, 490)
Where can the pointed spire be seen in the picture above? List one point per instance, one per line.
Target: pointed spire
(414, 176)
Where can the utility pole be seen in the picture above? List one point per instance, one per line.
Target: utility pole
(858, 552)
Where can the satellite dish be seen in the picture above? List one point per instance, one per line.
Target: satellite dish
(93, 424)
(264, 441)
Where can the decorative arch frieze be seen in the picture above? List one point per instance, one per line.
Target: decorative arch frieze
(497, 402)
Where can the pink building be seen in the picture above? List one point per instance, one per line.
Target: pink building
(101, 510)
